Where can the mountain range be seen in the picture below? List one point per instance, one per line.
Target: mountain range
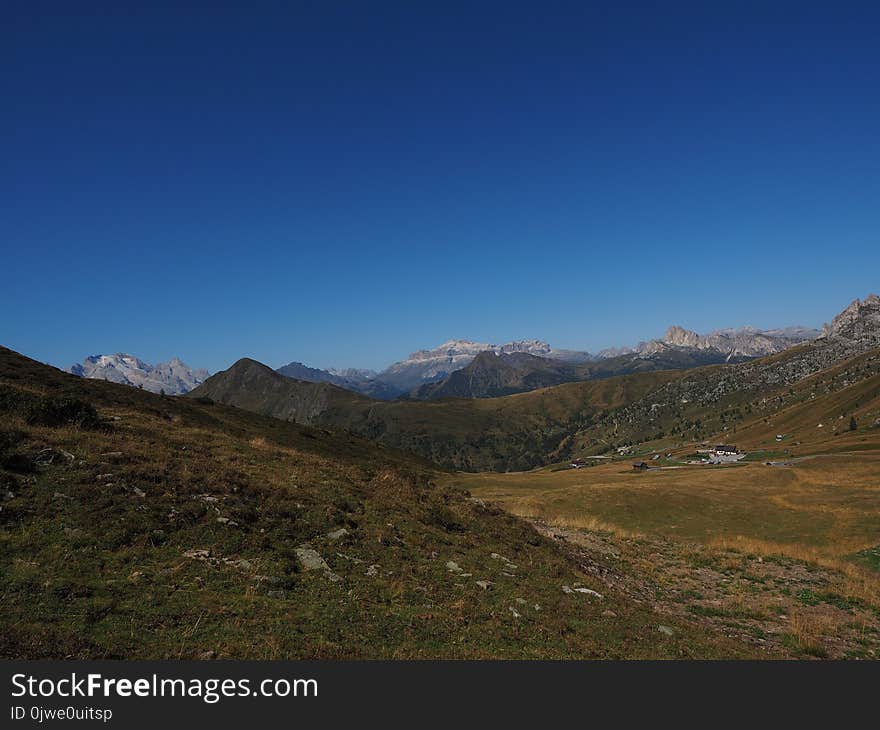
(453, 369)
(173, 377)
(632, 398)
(449, 370)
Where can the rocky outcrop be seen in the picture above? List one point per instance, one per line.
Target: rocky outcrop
(745, 342)
(860, 320)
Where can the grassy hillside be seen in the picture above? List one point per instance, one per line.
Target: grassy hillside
(789, 393)
(514, 432)
(140, 526)
(491, 375)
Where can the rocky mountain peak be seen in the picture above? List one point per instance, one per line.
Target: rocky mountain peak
(532, 347)
(859, 320)
(680, 337)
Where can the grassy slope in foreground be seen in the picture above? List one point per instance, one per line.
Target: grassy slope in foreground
(172, 530)
(513, 432)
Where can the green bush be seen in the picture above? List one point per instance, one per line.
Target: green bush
(9, 439)
(38, 410)
(55, 412)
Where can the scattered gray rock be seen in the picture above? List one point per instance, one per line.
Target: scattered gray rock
(350, 558)
(240, 563)
(665, 630)
(609, 614)
(589, 592)
(309, 559)
(337, 534)
(372, 570)
(208, 655)
(453, 567)
(273, 579)
(507, 564)
(484, 584)
(197, 554)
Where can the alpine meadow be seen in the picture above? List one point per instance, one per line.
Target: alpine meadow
(392, 333)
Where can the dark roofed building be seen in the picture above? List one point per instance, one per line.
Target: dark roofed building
(726, 450)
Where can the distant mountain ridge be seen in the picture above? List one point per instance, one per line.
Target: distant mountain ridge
(424, 366)
(491, 374)
(541, 366)
(431, 373)
(173, 377)
(358, 381)
(742, 342)
(678, 393)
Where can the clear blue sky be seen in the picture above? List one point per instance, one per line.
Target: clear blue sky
(342, 183)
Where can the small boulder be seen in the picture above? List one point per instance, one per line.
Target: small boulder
(309, 559)
(197, 554)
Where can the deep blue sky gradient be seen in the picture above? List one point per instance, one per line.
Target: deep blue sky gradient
(343, 183)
